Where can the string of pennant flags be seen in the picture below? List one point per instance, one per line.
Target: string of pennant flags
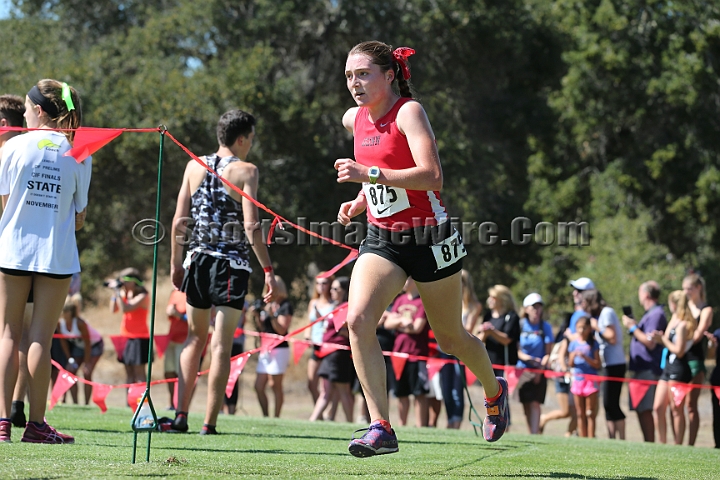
(515, 376)
(89, 140)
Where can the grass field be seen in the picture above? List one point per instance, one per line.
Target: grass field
(256, 447)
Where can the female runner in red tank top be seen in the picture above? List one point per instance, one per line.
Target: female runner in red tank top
(397, 162)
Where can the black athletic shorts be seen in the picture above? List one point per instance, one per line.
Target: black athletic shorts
(534, 392)
(338, 367)
(414, 380)
(677, 371)
(213, 281)
(426, 254)
(25, 273)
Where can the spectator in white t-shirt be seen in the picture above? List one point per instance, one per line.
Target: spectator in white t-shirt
(608, 334)
(44, 195)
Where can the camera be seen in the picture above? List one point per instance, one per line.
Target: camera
(113, 283)
(258, 304)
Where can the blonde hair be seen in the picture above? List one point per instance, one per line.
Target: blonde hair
(674, 298)
(684, 313)
(696, 280)
(70, 306)
(66, 119)
(330, 279)
(77, 299)
(504, 300)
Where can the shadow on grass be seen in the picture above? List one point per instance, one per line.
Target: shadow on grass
(218, 450)
(555, 475)
(484, 446)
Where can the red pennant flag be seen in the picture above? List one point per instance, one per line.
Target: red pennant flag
(351, 256)
(433, 366)
(637, 392)
(267, 343)
(89, 140)
(469, 376)
(100, 393)
(398, 363)
(512, 375)
(325, 350)
(679, 390)
(161, 344)
(236, 367)
(299, 348)
(339, 316)
(119, 342)
(64, 381)
(134, 393)
(717, 392)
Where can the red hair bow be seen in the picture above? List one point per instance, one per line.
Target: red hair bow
(401, 54)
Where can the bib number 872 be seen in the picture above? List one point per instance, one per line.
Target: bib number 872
(449, 251)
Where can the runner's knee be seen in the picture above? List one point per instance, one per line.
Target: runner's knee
(360, 323)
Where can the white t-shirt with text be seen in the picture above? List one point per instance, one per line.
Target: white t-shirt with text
(45, 190)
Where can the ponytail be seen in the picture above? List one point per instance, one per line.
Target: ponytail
(403, 85)
(67, 112)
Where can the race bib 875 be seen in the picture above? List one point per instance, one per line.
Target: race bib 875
(384, 201)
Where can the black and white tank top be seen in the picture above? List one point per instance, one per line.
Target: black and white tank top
(672, 358)
(217, 227)
(697, 352)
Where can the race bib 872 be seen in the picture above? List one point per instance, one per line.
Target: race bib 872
(449, 251)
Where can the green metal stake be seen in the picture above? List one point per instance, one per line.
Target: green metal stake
(157, 239)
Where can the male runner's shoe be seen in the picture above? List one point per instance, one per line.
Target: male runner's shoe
(208, 430)
(377, 440)
(498, 414)
(17, 414)
(180, 424)
(5, 427)
(44, 434)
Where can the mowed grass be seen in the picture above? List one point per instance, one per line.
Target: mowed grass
(257, 447)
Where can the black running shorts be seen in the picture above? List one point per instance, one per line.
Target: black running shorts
(213, 281)
(426, 254)
(414, 380)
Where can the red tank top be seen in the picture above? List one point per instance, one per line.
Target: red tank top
(381, 144)
(134, 324)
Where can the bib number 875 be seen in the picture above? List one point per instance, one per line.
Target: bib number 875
(377, 194)
(384, 201)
